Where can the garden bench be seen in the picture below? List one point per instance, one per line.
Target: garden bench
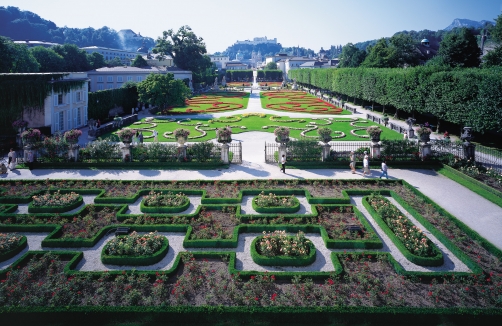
(122, 231)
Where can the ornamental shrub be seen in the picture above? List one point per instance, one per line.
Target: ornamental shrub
(156, 199)
(9, 241)
(277, 243)
(55, 199)
(271, 200)
(134, 244)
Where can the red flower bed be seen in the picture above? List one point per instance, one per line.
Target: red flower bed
(297, 99)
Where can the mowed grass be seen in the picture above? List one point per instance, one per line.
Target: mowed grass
(256, 123)
(300, 102)
(214, 102)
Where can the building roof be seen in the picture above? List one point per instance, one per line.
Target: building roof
(105, 49)
(313, 64)
(146, 70)
(301, 59)
(36, 43)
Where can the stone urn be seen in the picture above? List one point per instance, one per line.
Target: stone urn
(425, 137)
(375, 138)
(182, 140)
(282, 139)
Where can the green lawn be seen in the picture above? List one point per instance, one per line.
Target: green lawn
(300, 102)
(255, 123)
(214, 102)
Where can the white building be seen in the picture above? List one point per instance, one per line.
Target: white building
(258, 40)
(236, 65)
(63, 111)
(295, 63)
(110, 54)
(156, 60)
(32, 44)
(219, 60)
(114, 77)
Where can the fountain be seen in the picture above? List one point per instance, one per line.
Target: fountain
(255, 84)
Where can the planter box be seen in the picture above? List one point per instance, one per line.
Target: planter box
(137, 260)
(277, 209)
(282, 260)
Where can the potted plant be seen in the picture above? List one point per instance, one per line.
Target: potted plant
(181, 135)
(20, 125)
(424, 133)
(125, 135)
(224, 135)
(71, 136)
(281, 134)
(324, 134)
(30, 136)
(374, 133)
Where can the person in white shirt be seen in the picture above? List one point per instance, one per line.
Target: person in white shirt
(384, 170)
(366, 165)
(283, 163)
(12, 159)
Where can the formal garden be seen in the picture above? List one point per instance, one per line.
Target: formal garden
(351, 249)
(211, 102)
(295, 101)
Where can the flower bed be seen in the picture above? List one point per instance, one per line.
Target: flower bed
(135, 249)
(11, 244)
(158, 202)
(275, 204)
(55, 202)
(412, 241)
(279, 249)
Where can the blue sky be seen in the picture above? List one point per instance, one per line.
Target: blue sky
(312, 23)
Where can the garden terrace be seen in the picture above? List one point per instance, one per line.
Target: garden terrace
(298, 102)
(360, 271)
(205, 129)
(211, 103)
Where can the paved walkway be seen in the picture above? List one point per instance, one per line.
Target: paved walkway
(478, 213)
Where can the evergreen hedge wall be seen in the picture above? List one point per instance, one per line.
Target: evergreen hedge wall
(101, 102)
(469, 96)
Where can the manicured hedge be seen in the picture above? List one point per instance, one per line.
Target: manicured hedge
(137, 261)
(436, 260)
(165, 209)
(55, 209)
(278, 209)
(23, 242)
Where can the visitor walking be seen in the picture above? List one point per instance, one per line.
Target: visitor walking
(446, 135)
(366, 165)
(352, 162)
(12, 159)
(99, 124)
(135, 138)
(155, 135)
(405, 135)
(140, 137)
(384, 170)
(283, 163)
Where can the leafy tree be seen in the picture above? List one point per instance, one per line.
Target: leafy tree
(139, 62)
(186, 49)
(5, 54)
(493, 58)
(351, 56)
(406, 53)
(162, 90)
(16, 58)
(115, 62)
(48, 59)
(74, 58)
(380, 56)
(96, 60)
(459, 48)
(496, 31)
(271, 66)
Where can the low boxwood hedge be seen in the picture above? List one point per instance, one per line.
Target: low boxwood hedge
(278, 209)
(23, 242)
(55, 209)
(137, 260)
(165, 209)
(282, 260)
(436, 260)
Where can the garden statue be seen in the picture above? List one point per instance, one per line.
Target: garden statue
(224, 82)
(411, 133)
(295, 86)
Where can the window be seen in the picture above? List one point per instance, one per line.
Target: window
(110, 86)
(129, 78)
(60, 99)
(78, 96)
(100, 79)
(120, 79)
(138, 78)
(109, 79)
(68, 119)
(59, 121)
(100, 87)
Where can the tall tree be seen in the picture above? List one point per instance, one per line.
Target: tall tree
(162, 90)
(271, 66)
(16, 58)
(139, 62)
(48, 59)
(459, 48)
(406, 53)
(381, 56)
(351, 56)
(96, 60)
(494, 57)
(186, 49)
(74, 58)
